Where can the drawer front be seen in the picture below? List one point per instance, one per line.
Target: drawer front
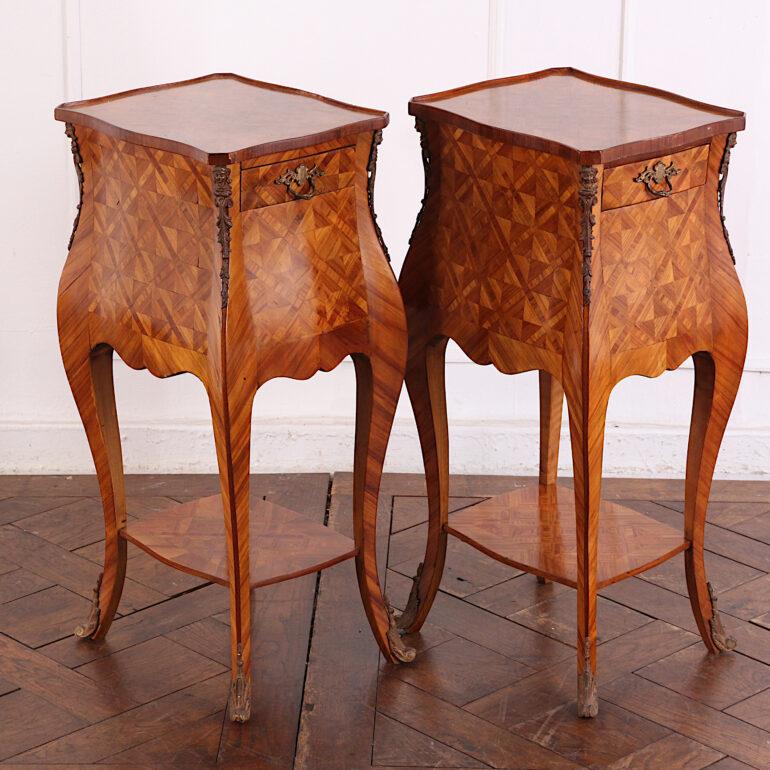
(299, 178)
(654, 178)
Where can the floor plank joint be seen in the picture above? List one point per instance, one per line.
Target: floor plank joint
(492, 685)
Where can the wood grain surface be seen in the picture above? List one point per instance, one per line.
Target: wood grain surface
(181, 266)
(221, 118)
(489, 688)
(620, 185)
(284, 544)
(517, 257)
(260, 185)
(534, 529)
(609, 121)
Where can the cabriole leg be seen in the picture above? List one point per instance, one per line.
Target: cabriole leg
(427, 393)
(90, 377)
(587, 419)
(551, 402)
(716, 384)
(378, 384)
(232, 435)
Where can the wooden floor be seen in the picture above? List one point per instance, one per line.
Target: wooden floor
(492, 686)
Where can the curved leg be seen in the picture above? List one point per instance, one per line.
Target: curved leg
(427, 393)
(551, 401)
(232, 434)
(90, 377)
(378, 385)
(587, 417)
(717, 377)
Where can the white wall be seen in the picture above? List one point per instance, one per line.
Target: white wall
(376, 55)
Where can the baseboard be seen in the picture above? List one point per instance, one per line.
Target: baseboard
(323, 446)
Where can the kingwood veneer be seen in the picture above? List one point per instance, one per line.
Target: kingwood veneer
(226, 229)
(573, 225)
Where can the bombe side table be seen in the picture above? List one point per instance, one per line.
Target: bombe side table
(573, 225)
(226, 229)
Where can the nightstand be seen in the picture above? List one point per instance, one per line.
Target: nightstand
(226, 229)
(573, 225)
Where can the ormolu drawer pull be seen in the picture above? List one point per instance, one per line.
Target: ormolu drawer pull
(299, 177)
(659, 174)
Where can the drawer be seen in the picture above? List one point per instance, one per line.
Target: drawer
(298, 178)
(646, 180)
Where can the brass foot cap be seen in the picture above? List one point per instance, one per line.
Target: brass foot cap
(408, 617)
(588, 699)
(398, 649)
(240, 700)
(87, 629)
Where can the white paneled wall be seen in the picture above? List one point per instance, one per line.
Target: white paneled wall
(378, 56)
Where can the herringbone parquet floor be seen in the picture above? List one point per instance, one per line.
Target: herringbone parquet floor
(492, 685)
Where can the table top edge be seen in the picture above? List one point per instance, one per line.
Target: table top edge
(621, 85)
(726, 121)
(371, 120)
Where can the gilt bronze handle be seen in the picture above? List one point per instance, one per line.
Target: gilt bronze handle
(295, 179)
(659, 174)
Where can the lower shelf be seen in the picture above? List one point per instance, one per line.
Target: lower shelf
(283, 544)
(533, 529)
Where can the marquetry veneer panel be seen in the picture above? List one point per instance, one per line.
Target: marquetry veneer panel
(573, 225)
(152, 267)
(656, 270)
(172, 270)
(506, 223)
(534, 530)
(284, 544)
(303, 267)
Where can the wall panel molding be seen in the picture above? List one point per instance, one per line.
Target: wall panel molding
(496, 38)
(72, 65)
(319, 445)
